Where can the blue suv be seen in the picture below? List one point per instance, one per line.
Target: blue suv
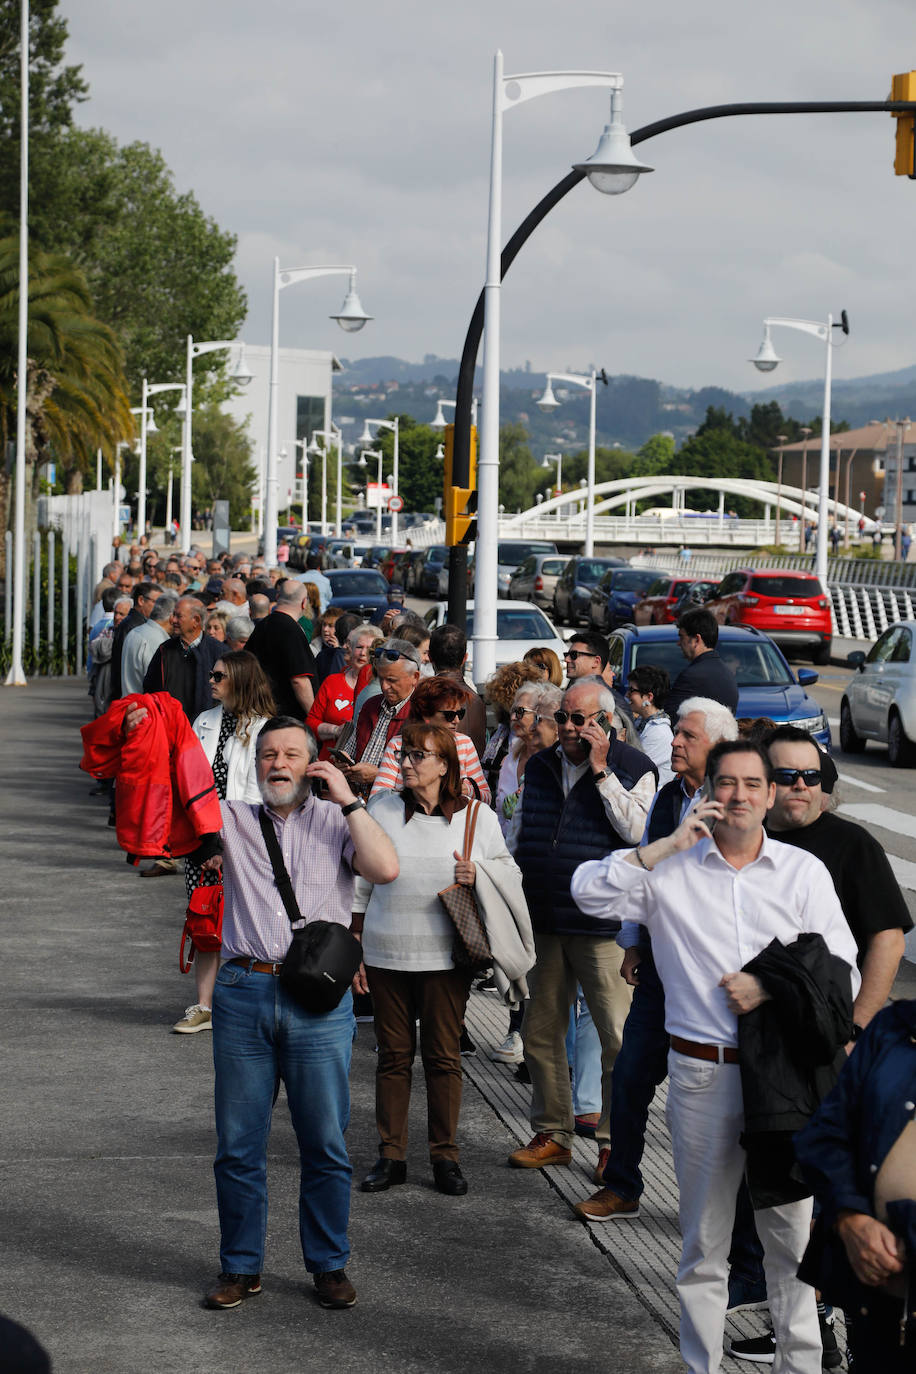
(766, 684)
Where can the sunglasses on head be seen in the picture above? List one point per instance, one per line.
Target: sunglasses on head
(580, 653)
(415, 756)
(788, 777)
(392, 655)
(218, 676)
(458, 714)
(578, 718)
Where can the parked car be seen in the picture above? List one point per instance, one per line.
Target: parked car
(442, 585)
(791, 606)
(405, 568)
(695, 594)
(375, 555)
(386, 566)
(519, 627)
(767, 685)
(657, 606)
(288, 533)
(612, 600)
(574, 587)
(879, 702)
(361, 590)
(340, 553)
(511, 553)
(360, 522)
(426, 572)
(536, 578)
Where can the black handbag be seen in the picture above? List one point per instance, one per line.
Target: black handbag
(324, 957)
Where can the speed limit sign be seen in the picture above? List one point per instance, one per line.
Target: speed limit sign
(395, 503)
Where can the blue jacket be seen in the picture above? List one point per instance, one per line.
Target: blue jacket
(706, 676)
(559, 833)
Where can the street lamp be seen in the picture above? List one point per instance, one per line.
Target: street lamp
(765, 361)
(367, 437)
(806, 435)
(147, 427)
(241, 375)
(375, 453)
(440, 422)
(780, 439)
(351, 317)
(550, 458)
(612, 168)
(549, 402)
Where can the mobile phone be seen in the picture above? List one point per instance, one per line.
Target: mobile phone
(707, 794)
(602, 720)
(343, 758)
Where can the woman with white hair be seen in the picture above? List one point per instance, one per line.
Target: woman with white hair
(524, 742)
(332, 708)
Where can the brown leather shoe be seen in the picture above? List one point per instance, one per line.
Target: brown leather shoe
(604, 1155)
(334, 1289)
(232, 1290)
(543, 1149)
(606, 1205)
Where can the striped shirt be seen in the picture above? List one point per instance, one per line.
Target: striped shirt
(389, 773)
(318, 852)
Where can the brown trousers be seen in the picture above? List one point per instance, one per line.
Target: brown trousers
(438, 999)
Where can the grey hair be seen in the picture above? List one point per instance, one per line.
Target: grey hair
(239, 627)
(532, 690)
(718, 721)
(405, 649)
(606, 699)
(287, 723)
(549, 696)
(360, 632)
(125, 598)
(163, 607)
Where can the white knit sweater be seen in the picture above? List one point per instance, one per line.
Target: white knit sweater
(406, 926)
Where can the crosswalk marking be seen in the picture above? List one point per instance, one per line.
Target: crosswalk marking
(859, 782)
(871, 813)
(904, 872)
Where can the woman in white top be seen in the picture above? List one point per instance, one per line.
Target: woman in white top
(524, 743)
(228, 733)
(408, 939)
(647, 690)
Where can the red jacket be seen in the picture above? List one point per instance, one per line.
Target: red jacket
(166, 794)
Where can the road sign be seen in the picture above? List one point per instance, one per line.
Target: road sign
(395, 502)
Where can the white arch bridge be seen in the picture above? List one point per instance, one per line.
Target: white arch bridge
(563, 517)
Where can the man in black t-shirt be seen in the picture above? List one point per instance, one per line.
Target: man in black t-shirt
(281, 648)
(869, 893)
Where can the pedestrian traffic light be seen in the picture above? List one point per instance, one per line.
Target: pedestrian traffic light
(460, 502)
(903, 87)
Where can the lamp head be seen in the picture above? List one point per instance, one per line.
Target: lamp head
(767, 358)
(182, 406)
(351, 317)
(240, 374)
(151, 426)
(440, 452)
(367, 436)
(314, 447)
(439, 422)
(548, 401)
(613, 167)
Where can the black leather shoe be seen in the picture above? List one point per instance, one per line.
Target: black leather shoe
(386, 1174)
(448, 1178)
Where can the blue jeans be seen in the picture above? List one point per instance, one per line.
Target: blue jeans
(583, 1053)
(260, 1036)
(638, 1069)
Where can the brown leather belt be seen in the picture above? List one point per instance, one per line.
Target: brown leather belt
(256, 965)
(713, 1054)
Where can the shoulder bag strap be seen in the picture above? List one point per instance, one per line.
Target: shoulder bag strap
(470, 827)
(281, 877)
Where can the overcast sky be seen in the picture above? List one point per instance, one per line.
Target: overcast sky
(359, 132)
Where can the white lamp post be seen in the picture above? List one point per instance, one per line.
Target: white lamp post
(367, 437)
(239, 374)
(375, 453)
(549, 402)
(612, 168)
(350, 317)
(440, 421)
(765, 361)
(335, 433)
(147, 427)
(550, 458)
(317, 450)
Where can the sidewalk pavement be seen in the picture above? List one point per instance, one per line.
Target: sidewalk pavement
(108, 1221)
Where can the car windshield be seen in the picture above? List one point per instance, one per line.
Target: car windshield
(591, 569)
(517, 624)
(755, 663)
(510, 555)
(771, 585)
(437, 553)
(552, 567)
(357, 584)
(631, 580)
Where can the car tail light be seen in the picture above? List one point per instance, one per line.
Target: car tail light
(539, 583)
(823, 604)
(749, 600)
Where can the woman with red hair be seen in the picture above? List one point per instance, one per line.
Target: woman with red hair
(437, 701)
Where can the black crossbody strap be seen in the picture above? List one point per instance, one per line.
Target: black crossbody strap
(281, 877)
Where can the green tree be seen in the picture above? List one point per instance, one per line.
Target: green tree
(223, 470)
(519, 475)
(420, 472)
(655, 455)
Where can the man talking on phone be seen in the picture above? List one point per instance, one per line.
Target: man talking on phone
(584, 797)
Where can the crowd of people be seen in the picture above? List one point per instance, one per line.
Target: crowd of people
(656, 888)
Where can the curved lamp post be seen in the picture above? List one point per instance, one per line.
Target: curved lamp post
(351, 317)
(767, 360)
(367, 437)
(147, 427)
(319, 450)
(239, 374)
(375, 453)
(548, 461)
(549, 402)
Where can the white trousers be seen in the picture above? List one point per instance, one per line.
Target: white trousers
(706, 1117)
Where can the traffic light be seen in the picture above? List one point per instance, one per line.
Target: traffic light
(460, 502)
(903, 87)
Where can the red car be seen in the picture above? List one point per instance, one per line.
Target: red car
(791, 607)
(657, 606)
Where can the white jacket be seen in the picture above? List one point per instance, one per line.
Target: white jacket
(241, 783)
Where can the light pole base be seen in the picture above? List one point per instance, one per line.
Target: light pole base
(15, 678)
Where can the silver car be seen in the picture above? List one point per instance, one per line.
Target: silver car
(536, 579)
(880, 698)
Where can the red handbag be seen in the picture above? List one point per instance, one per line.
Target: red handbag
(203, 925)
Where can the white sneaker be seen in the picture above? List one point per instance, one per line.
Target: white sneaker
(511, 1051)
(196, 1018)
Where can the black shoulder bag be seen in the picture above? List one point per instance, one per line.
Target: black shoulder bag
(323, 958)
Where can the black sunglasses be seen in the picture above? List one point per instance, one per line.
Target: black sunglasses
(450, 716)
(580, 653)
(218, 677)
(578, 718)
(392, 655)
(788, 777)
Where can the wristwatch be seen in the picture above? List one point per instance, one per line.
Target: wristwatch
(599, 777)
(358, 805)
(856, 1031)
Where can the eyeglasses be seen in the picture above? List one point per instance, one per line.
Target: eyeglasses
(519, 712)
(578, 718)
(415, 756)
(218, 677)
(580, 653)
(788, 777)
(392, 655)
(451, 716)
(545, 720)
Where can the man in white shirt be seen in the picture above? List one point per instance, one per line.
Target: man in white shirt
(711, 902)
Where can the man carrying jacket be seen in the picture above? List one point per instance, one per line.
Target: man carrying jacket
(588, 795)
